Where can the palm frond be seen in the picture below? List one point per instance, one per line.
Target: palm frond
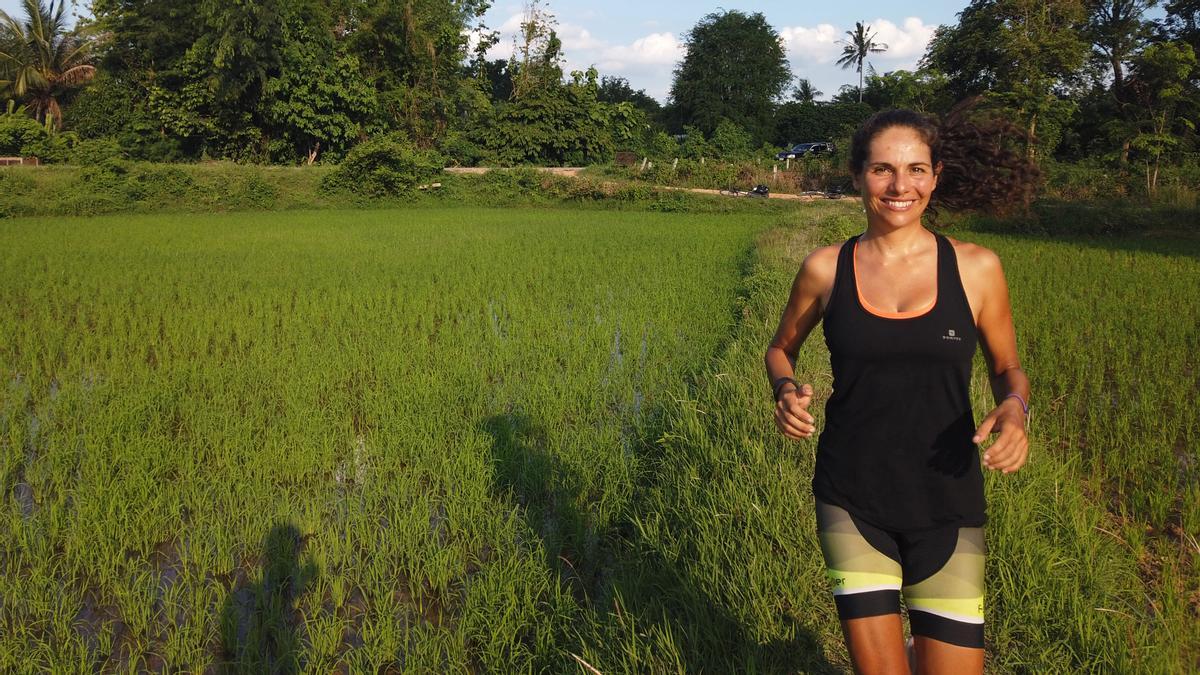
(73, 77)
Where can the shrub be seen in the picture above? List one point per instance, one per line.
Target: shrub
(731, 142)
(107, 177)
(52, 148)
(460, 150)
(662, 146)
(92, 151)
(385, 166)
(17, 132)
(707, 174)
(151, 182)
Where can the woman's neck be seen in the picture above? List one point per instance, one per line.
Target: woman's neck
(896, 241)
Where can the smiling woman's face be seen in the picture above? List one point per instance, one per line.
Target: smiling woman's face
(897, 179)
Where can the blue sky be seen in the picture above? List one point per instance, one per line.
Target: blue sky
(642, 41)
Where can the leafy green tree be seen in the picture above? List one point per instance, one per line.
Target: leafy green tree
(661, 145)
(563, 125)
(1160, 79)
(1182, 21)
(284, 80)
(923, 90)
(801, 123)
(1019, 53)
(537, 59)
(1117, 28)
(847, 93)
(735, 68)
(860, 44)
(315, 104)
(41, 59)
(1107, 117)
(412, 53)
(617, 90)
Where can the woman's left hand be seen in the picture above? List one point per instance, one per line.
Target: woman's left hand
(1010, 450)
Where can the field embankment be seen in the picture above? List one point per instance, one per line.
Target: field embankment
(142, 187)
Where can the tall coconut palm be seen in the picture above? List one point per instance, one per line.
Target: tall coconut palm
(861, 43)
(41, 59)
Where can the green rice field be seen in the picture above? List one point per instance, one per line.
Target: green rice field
(535, 440)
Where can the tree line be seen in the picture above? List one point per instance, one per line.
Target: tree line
(290, 81)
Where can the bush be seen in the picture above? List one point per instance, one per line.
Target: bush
(107, 177)
(731, 142)
(92, 151)
(662, 146)
(53, 148)
(151, 182)
(706, 174)
(17, 132)
(386, 166)
(460, 150)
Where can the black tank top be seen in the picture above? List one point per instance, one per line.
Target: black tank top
(896, 449)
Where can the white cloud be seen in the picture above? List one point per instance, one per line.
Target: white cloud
(822, 44)
(661, 49)
(577, 39)
(574, 38)
(813, 51)
(646, 62)
(905, 42)
(811, 45)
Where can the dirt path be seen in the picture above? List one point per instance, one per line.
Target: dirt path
(573, 171)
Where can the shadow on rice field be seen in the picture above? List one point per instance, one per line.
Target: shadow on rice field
(614, 573)
(258, 620)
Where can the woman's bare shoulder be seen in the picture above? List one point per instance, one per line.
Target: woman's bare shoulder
(821, 264)
(975, 260)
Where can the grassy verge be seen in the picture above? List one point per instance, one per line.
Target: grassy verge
(218, 187)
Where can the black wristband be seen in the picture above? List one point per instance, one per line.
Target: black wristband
(779, 382)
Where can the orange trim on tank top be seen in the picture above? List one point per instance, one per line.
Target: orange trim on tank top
(872, 309)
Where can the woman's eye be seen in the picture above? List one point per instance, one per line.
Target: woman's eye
(879, 170)
(918, 169)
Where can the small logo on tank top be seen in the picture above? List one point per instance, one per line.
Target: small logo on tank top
(951, 336)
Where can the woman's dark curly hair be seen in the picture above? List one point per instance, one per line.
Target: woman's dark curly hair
(983, 164)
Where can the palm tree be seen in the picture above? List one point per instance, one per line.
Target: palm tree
(805, 92)
(856, 49)
(40, 59)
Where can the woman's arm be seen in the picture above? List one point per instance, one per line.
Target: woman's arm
(1010, 386)
(805, 306)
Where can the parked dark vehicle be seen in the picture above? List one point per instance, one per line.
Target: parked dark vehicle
(802, 149)
(759, 190)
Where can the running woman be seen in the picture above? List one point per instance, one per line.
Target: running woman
(898, 484)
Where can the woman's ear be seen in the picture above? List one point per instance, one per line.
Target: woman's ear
(937, 173)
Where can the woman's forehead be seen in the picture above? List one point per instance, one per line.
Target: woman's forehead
(899, 145)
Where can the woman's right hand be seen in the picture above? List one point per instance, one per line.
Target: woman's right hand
(791, 412)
